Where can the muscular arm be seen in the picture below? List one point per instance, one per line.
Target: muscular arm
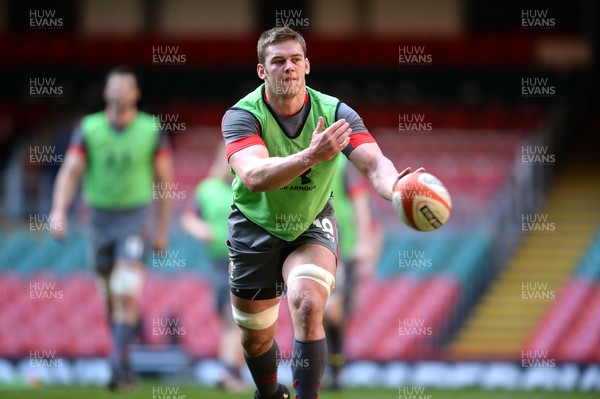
(259, 172)
(67, 182)
(380, 171)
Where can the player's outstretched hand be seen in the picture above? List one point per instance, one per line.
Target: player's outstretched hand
(405, 172)
(58, 225)
(326, 144)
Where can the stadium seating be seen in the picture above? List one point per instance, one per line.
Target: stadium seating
(474, 161)
(67, 49)
(506, 321)
(565, 332)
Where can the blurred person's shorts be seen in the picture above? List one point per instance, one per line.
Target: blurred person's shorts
(119, 235)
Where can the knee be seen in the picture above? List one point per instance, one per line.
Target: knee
(255, 343)
(305, 305)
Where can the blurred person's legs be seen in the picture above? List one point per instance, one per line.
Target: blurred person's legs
(337, 310)
(125, 286)
(120, 246)
(231, 353)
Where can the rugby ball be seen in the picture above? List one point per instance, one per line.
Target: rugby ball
(422, 201)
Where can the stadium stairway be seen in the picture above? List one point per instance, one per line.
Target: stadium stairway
(511, 309)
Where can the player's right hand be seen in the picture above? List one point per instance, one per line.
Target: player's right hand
(326, 144)
(58, 225)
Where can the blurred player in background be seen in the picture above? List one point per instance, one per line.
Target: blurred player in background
(120, 155)
(360, 242)
(282, 141)
(206, 221)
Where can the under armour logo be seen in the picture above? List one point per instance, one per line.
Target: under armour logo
(304, 179)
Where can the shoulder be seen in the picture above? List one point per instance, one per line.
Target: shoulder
(235, 116)
(144, 117)
(91, 121)
(252, 99)
(96, 117)
(316, 95)
(239, 123)
(344, 111)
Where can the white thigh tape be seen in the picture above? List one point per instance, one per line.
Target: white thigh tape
(256, 321)
(125, 281)
(314, 273)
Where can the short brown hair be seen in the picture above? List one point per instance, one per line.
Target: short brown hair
(277, 35)
(121, 70)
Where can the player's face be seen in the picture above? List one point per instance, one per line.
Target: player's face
(285, 69)
(121, 90)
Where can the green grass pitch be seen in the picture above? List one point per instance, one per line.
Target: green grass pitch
(187, 391)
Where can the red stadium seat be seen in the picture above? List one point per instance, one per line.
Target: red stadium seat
(556, 323)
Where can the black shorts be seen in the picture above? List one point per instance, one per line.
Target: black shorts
(119, 235)
(256, 257)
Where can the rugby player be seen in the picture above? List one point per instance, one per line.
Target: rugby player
(282, 140)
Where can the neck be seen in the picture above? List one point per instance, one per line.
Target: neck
(120, 116)
(286, 106)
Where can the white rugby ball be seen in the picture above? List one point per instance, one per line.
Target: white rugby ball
(422, 201)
